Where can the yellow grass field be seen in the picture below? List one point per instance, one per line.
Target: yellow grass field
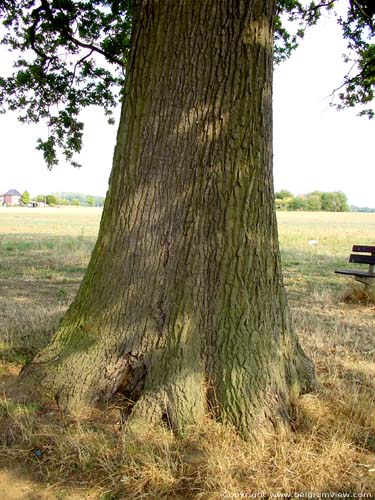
(49, 222)
(330, 449)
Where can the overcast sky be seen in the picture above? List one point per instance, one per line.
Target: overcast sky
(315, 147)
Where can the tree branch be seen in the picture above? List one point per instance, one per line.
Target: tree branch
(66, 32)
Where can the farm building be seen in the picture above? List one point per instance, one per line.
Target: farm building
(12, 197)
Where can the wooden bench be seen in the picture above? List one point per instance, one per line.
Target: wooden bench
(365, 255)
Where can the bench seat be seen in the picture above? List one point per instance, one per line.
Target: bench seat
(356, 272)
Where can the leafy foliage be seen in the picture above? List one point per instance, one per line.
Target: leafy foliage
(316, 201)
(58, 71)
(90, 201)
(70, 54)
(64, 198)
(51, 199)
(359, 30)
(25, 198)
(292, 19)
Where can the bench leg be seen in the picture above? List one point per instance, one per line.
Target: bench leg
(369, 282)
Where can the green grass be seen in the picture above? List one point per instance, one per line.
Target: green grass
(46, 244)
(314, 265)
(43, 255)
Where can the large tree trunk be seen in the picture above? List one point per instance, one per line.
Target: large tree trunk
(182, 307)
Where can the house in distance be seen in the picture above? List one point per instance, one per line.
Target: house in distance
(12, 198)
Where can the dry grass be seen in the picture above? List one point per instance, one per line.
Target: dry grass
(331, 447)
(359, 295)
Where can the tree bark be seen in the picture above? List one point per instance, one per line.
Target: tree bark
(182, 307)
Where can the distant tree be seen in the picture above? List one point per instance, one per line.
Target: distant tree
(314, 201)
(61, 201)
(51, 199)
(284, 203)
(328, 202)
(298, 203)
(90, 201)
(283, 194)
(75, 202)
(41, 198)
(283, 199)
(342, 201)
(279, 204)
(25, 198)
(335, 201)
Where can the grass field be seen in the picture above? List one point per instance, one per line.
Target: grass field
(44, 455)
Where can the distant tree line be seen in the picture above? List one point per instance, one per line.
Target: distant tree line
(353, 208)
(74, 199)
(335, 201)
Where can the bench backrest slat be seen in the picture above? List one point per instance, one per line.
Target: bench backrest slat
(363, 248)
(362, 259)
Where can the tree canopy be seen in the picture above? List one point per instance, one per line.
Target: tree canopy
(72, 54)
